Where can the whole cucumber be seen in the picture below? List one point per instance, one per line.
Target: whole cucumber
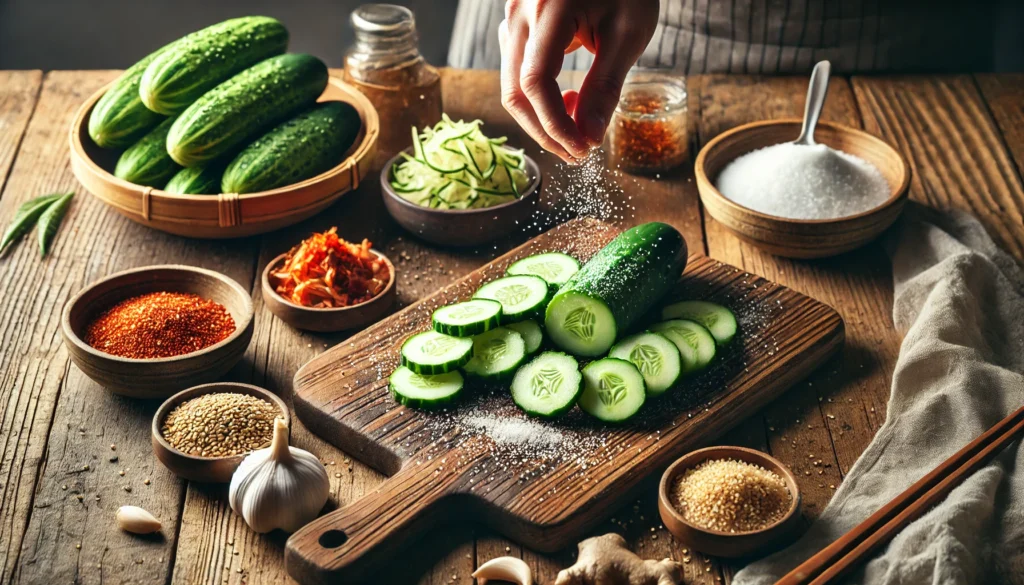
(200, 61)
(120, 118)
(245, 106)
(146, 162)
(201, 180)
(301, 148)
(624, 280)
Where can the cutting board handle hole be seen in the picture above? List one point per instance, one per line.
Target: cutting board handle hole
(332, 539)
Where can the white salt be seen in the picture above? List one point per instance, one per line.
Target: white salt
(514, 431)
(803, 182)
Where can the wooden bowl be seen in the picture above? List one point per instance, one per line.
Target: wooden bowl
(461, 227)
(204, 469)
(226, 215)
(728, 544)
(328, 320)
(158, 377)
(801, 238)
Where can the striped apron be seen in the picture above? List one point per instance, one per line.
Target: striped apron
(777, 36)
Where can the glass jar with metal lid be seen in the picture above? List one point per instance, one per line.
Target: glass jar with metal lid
(386, 65)
(649, 132)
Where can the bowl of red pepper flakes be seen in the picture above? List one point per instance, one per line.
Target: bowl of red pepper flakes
(326, 284)
(153, 331)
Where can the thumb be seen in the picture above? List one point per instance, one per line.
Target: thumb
(600, 91)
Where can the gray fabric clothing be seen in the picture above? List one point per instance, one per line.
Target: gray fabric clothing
(960, 301)
(778, 36)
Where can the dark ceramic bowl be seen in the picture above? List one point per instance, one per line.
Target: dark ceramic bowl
(461, 227)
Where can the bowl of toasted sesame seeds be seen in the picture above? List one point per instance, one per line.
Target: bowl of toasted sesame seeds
(150, 332)
(729, 502)
(203, 433)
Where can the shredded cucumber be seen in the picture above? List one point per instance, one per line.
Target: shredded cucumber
(455, 166)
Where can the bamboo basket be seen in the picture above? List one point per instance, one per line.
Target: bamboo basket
(227, 215)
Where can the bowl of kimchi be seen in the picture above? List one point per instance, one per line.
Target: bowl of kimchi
(327, 284)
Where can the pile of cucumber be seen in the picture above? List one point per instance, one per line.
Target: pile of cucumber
(224, 110)
(586, 311)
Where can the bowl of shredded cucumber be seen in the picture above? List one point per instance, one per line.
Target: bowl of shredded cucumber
(456, 186)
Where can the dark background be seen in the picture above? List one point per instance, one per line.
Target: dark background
(113, 34)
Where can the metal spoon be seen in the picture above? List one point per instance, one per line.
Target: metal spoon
(816, 91)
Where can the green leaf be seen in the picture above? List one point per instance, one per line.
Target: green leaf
(50, 220)
(26, 217)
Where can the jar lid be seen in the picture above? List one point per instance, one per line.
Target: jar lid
(383, 18)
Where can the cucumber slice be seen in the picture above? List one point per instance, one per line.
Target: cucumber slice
(531, 333)
(580, 324)
(719, 320)
(521, 297)
(424, 391)
(695, 343)
(555, 268)
(496, 354)
(548, 386)
(613, 390)
(655, 356)
(431, 352)
(468, 318)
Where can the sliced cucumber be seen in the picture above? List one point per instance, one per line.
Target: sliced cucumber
(431, 352)
(548, 386)
(468, 318)
(521, 297)
(613, 390)
(555, 268)
(655, 356)
(531, 333)
(695, 343)
(580, 324)
(424, 391)
(719, 320)
(496, 354)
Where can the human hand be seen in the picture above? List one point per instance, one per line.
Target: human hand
(535, 36)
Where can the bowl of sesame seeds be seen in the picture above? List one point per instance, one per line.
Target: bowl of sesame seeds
(203, 433)
(150, 332)
(729, 501)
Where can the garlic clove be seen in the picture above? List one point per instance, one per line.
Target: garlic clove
(136, 520)
(505, 569)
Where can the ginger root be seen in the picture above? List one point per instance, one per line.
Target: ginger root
(605, 560)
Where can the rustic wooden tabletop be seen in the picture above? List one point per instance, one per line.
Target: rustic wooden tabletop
(71, 453)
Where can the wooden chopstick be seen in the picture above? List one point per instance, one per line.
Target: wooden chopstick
(856, 545)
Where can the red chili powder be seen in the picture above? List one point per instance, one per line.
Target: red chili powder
(160, 324)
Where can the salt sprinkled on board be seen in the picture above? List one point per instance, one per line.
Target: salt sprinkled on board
(799, 181)
(503, 430)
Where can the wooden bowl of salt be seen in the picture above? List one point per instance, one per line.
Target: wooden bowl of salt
(800, 237)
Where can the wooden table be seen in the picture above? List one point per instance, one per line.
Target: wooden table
(64, 441)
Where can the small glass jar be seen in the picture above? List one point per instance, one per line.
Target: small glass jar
(648, 133)
(385, 64)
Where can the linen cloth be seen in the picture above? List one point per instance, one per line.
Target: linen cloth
(960, 301)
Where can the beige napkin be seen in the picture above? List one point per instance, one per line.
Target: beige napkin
(960, 302)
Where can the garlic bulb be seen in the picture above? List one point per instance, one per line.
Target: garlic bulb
(279, 487)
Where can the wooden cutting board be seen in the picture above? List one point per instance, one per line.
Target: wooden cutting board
(544, 484)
